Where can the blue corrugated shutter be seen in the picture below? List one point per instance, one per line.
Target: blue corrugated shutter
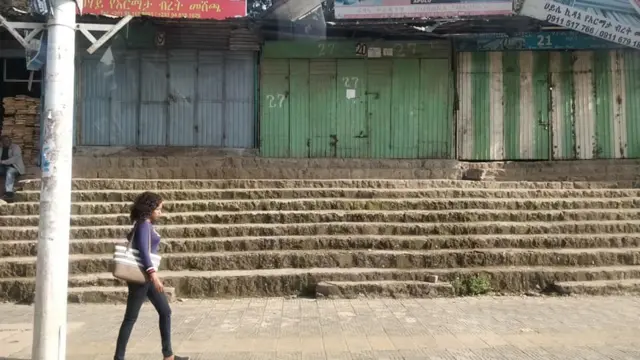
(176, 98)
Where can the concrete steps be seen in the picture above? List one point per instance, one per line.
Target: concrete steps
(344, 204)
(200, 184)
(181, 163)
(362, 193)
(598, 287)
(334, 216)
(387, 289)
(288, 282)
(385, 259)
(25, 248)
(106, 294)
(380, 238)
(342, 228)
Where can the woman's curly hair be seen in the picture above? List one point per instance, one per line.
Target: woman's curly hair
(144, 205)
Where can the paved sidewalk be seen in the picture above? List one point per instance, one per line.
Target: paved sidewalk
(506, 328)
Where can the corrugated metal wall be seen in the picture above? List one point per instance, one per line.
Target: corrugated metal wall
(232, 34)
(631, 74)
(356, 108)
(544, 105)
(168, 98)
(595, 104)
(503, 106)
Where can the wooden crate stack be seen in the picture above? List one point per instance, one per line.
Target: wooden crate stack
(21, 123)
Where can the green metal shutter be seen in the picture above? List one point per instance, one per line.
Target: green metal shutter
(503, 106)
(355, 107)
(274, 105)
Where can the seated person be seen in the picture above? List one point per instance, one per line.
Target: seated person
(11, 166)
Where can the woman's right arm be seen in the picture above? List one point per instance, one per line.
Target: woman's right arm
(141, 242)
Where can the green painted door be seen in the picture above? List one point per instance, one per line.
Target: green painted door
(274, 127)
(379, 94)
(352, 123)
(540, 148)
(405, 109)
(299, 108)
(322, 108)
(435, 109)
(504, 106)
(326, 100)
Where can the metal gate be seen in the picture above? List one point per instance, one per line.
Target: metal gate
(357, 108)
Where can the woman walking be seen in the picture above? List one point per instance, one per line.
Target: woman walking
(146, 209)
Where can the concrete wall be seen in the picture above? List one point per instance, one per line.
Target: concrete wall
(181, 163)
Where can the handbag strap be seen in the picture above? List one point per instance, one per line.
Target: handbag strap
(133, 236)
(149, 243)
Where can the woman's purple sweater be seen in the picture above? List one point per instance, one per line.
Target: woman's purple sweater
(144, 231)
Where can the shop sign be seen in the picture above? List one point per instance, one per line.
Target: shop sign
(615, 21)
(557, 40)
(178, 9)
(379, 9)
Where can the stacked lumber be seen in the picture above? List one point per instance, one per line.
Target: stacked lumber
(21, 123)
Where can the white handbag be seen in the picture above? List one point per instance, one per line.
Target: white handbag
(128, 266)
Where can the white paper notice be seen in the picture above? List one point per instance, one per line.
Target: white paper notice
(387, 52)
(374, 52)
(351, 94)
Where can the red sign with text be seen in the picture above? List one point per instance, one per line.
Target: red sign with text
(179, 9)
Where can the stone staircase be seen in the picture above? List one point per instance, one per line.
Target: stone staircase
(344, 238)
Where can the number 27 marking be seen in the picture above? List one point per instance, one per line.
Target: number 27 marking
(276, 101)
(326, 49)
(350, 82)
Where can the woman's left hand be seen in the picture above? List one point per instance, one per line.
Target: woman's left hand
(157, 283)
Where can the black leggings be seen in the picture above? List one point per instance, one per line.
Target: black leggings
(138, 293)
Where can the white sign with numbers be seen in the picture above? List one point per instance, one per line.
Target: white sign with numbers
(583, 20)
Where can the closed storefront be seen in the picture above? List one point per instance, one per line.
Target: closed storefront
(177, 95)
(503, 106)
(356, 100)
(595, 112)
(548, 105)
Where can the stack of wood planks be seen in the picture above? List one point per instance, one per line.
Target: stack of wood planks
(21, 123)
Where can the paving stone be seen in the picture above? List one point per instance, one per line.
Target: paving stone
(540, 328)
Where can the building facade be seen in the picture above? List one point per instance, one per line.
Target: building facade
(442, 99)
(185, 84)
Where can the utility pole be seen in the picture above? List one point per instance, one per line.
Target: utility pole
(50, 318)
